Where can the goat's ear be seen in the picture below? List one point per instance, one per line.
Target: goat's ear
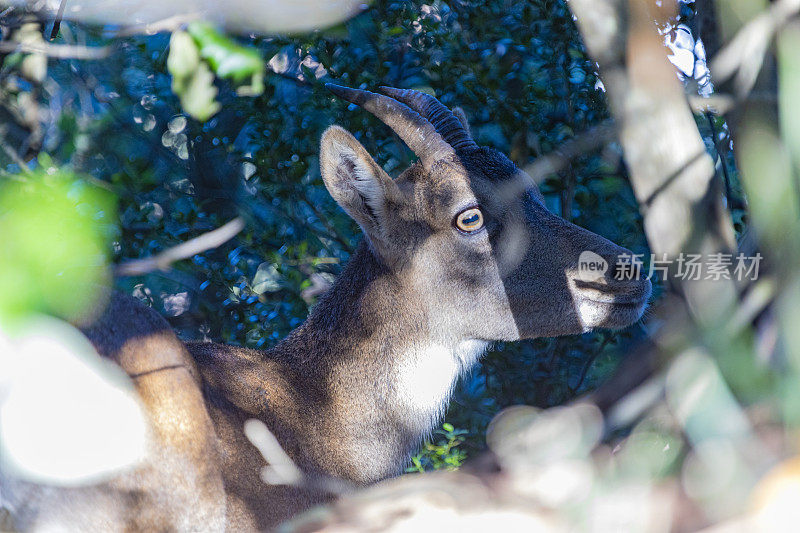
(462, 117)
(357, 182)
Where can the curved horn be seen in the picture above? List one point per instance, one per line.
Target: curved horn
(419, 134)
(445, 122)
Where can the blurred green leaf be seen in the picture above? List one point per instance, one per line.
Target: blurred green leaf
(789, 76)
(56, 230)
(229, 60)
(184, 56)
(192, 80)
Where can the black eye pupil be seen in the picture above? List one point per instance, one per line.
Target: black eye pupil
(469, 220)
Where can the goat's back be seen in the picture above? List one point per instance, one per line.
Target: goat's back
(179, 485)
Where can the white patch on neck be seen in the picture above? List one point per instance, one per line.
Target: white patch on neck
(425, 377)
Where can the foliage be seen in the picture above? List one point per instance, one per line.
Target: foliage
(444, 454)
(228, 59)
(200, 50)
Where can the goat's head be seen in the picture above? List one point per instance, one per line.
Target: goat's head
(471, 231)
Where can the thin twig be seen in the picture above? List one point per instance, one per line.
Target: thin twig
(559, 158)
(588, 364)
(728, 194)
(168, 24)
(59, 51)
(163, 260)
(301, 82)
(12, 177)
(57, 23)
(719, 104)
(11, 153)
(722, 104)
(281, 470)
(332, 233)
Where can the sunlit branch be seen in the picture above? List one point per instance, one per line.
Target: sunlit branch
(744, 54)
(163, 260)
(59, 51)
(280, 469)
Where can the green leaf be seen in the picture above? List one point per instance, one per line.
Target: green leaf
(56, 232)
(192, 80)
(196, 56)
(229, 60)
(184, 56)
(198, 95)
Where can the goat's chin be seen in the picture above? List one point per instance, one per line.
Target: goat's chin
(609, 315)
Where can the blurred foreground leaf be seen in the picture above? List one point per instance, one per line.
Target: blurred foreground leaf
(96, 429)
(229, 60)
(55, 231)
(192, 80)
(197, 55)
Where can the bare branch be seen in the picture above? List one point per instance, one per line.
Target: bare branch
(11, 153)
(169, 24)
(663, 148)
(57, 22)
(59, 51)
(744, 55)
(163, 260)
(719, 104)
(281, 470)
(583, 143)
(671, 174)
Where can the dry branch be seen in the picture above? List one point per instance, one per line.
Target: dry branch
(11, 153)
(57, 22)
(58, 51)
(558, 159)
(281, 470)
(163, 260)
(670, 171)
(744, 55)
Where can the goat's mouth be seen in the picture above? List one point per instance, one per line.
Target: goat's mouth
(613, 305)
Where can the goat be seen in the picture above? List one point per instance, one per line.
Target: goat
(459, 250)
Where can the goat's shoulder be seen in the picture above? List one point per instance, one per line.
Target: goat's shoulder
(245, 379)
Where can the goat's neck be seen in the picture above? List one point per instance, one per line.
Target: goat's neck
(385, 365)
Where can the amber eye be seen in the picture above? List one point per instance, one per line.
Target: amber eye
(470, 220)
